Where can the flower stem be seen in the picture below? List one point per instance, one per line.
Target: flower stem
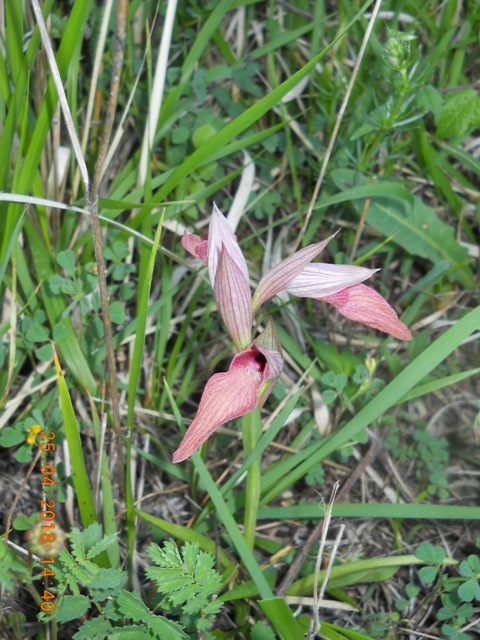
(251, 432)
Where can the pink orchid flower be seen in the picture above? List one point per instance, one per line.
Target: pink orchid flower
(242, 388)
(234, 393)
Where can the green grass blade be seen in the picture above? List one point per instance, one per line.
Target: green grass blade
(242, 122)
(373, 510)
(9, 248)
(81, 480)
(231, 526)
(142, 315)
(439, 383)
(390, 395)
(281, 616)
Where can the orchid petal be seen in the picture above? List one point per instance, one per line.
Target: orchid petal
(227, 396)
(234, 300)
(268, 338)
(279, 278)
(318, 280)
(273, 365)
(195, 245)
(268, 344)
(363, 304)
(220, 238)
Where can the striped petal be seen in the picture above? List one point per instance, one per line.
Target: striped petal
(227, 396)
(280, 277)
(220, 238)
(318, 279)
(234, 300)
(363, 304)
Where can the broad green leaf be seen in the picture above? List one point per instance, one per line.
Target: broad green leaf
(430, 553)
(66, 259)
(431, 99)
(10, 437)
(414, 225)
(37, 333)
(117, 312)
(428, 574)
(460, 112)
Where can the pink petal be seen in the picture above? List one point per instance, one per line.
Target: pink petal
(318, 279)
(196, 246)
(280, 277)
(226, 396)
(234, 300)
(363, 304)
(221, 237)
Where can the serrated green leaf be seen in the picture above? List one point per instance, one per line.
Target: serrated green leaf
(260, 631)
(172, 583)
(187, 592)
(97, 628)
(90, 537)
(9, 563)
(460, 112)
(168, 556)
(72, 608)
(107, 579)
(162, 574)
(131, 632)
(211, 583)
(166, 629)
(132, 605)
(106, 541)
(190, 553)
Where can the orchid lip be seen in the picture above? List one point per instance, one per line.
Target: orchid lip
(229, 395)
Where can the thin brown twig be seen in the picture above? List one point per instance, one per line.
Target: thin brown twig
(92, 199)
